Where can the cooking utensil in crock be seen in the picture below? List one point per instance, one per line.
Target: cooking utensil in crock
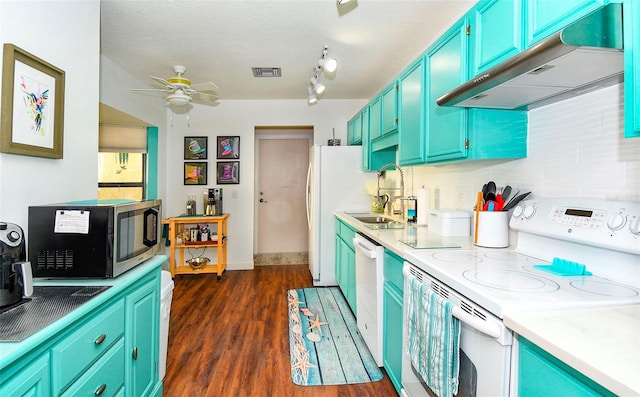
(515, 200)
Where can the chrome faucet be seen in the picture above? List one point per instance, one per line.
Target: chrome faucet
(401, 188)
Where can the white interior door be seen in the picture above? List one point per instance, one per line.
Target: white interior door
(281, 184)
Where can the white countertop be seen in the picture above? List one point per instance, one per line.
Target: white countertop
(390, 238)
(602, 344)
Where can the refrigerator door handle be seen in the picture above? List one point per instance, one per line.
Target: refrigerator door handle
(308, 203)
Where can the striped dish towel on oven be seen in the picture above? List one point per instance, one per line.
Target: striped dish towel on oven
(434, 339)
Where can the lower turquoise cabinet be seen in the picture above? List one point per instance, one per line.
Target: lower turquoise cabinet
(142, 339)
(346, 263)
(542, 375)
(33, 381)
(392, 318)
(109, 346)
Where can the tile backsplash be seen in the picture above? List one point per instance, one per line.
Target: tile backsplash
(575, 149)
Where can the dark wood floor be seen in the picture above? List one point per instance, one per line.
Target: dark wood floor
(230, 337)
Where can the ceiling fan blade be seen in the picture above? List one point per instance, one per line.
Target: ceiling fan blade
(205, 97)
(208, 87)
(170, 87)
(152, 89)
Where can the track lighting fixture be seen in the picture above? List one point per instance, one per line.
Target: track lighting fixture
(343, 2)
(311, 97)
(325, 64)
(328, 65)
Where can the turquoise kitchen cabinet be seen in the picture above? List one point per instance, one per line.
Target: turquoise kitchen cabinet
(541, 375)
(496, 32)
(350, 134)
(33, 380)
(455, 133)
(389, 110)
(142, 338)
(375, 117)
(376, 150)
(346, 262)
(411, 114)
(631, 16)
(392, 306)
(446, 68)
(354, 130)
(545, 17)
(108, 344)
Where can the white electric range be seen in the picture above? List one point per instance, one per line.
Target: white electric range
(484, 284)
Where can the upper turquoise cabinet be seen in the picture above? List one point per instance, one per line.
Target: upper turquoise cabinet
(389, 112)
(545, 17)
(354, 129)
(375, 117)
(446, 66)
(411, 114)
(496, 31)
(631, 16)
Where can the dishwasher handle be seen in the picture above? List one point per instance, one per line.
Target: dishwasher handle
(366, 247)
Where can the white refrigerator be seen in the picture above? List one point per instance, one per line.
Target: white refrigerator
(335, 182)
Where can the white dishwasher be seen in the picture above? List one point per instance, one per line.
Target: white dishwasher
(369, 280)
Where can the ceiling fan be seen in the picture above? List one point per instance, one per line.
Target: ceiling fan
(181, 91)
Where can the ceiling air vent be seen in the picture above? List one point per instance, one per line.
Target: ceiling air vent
(266, 72)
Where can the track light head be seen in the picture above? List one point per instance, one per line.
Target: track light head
(311, 97)
(328, 65)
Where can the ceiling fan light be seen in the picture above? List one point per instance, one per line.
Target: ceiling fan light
(178, 99)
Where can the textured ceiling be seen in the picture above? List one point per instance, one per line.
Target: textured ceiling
(220, 40)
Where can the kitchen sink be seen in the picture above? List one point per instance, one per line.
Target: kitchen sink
(379, 222)
(374, 219)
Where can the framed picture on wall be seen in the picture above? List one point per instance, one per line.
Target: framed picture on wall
(228, 172)
(228, 147)
(32, 117)
(195, 173)
(195, 147)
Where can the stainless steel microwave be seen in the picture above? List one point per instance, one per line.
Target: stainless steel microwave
(92, 239)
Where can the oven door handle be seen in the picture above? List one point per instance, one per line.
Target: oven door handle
(486, 327)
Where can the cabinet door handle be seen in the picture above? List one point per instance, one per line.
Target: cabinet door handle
(100, 389)
(135, 353)
(100, 339)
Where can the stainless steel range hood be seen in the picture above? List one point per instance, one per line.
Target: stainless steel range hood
(583, 57)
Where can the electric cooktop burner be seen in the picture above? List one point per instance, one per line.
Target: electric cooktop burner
(510, 280)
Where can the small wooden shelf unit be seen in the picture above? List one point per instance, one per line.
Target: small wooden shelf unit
(176, 227)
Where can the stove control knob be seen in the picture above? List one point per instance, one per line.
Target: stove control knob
(529, 211)
(634, 225)
(517, 211)
(617, 220)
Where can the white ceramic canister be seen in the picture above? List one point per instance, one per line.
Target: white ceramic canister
(492, 228)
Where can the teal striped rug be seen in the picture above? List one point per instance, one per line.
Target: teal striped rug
(326, 347)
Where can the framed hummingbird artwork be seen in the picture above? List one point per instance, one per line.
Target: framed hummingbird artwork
(32, 105)
(228, 147)
(195, 147)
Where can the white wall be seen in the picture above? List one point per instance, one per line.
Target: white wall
(115, 91)
(45, 29)
(240, 117)
(575, 149)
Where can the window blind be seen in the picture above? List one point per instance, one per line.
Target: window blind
(125, 139)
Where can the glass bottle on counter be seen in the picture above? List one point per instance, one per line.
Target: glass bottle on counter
(191, 205)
